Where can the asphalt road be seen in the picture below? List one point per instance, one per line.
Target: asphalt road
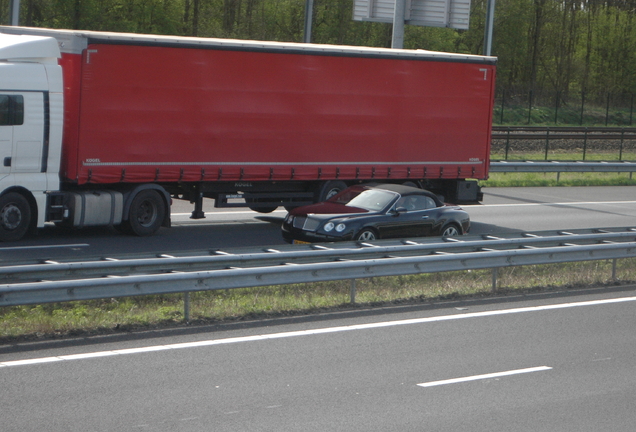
(546, 362)
(558, 362)
(503, 210)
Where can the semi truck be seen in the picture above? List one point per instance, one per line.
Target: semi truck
(107, 129)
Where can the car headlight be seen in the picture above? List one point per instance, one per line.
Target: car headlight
(329, 226)
(340, 227)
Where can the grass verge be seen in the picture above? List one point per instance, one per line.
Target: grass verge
(554, 179)
(150, 312)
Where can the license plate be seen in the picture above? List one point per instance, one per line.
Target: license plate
(300, 242)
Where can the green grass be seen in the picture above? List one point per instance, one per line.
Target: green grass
(565, 156)
(124, 314)
(554, 179)
(564, 178)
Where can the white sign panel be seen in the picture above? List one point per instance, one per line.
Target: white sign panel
(432, 13)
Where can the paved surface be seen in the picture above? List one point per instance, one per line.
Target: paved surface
(503, 210)
(536, 363)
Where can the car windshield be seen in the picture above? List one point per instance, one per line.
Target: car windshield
(367, 199)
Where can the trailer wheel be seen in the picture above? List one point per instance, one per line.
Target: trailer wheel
(15, 216)
(330, 188)
(146, 213)
(263, 209)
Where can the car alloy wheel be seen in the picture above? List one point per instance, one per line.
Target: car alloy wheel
(450, 231)
(366, 235)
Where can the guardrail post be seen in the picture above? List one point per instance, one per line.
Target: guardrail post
(494, 279)
(547, 142)
(186, 307)
(614, 269)
(352, 291)
(584, 143)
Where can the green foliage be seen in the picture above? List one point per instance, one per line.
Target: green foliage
(568, 53)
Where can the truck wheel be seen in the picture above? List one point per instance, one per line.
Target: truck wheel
(259, 209)
(15, 216)
(263, 209)
(330, 188)
(146, 213)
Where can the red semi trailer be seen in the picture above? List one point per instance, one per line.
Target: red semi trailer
(118, 125)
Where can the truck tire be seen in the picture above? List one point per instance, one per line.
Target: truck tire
(15, 216)
(257, 208)
(263, 209)
(330, 188)
(146, 214)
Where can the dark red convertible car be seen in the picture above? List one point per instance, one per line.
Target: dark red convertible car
(369, 212)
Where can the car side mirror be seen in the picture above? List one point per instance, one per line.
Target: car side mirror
(398, 211)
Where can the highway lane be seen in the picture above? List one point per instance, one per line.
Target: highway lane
(503, 210)
(536, 209)
(354, 371)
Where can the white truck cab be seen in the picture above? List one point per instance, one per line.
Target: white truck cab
(31, 111)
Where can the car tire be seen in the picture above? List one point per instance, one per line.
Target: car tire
(366, 234)
(15, 216)
(451, 230)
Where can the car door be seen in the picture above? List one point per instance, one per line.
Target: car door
(415, 219)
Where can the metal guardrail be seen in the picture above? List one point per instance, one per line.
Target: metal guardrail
(508, 166)
(563, 132)
(584, 135)
(60, 282)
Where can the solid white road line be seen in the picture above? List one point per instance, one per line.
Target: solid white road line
(485, 376)
(481, 206)
(548, 204)
(313, 332)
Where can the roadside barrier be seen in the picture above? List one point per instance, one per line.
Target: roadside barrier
(105, 278)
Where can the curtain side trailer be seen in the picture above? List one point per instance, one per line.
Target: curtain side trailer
(104, 128)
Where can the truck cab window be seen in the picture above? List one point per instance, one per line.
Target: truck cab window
(11, 110)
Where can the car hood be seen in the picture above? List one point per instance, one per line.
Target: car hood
(327, 208)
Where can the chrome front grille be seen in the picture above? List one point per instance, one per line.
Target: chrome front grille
(299, 221)
(305, 223)
(311, 224)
